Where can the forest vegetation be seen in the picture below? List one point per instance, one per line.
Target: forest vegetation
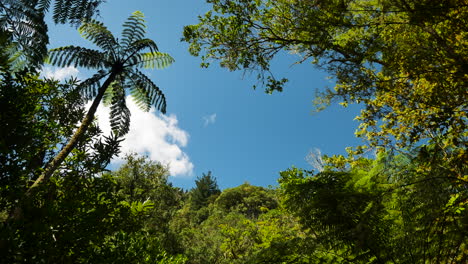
(406, 204)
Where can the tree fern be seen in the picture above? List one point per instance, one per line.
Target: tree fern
(117, 63)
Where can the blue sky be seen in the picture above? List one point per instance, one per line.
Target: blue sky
(216, 121)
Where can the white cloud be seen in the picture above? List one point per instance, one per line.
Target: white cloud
(209, 119)
(59, 74)
(154, 135)
(151, 134)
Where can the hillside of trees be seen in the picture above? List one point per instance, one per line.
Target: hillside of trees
(60, 203)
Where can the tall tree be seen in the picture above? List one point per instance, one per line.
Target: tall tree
(206, 187)
(118, 64)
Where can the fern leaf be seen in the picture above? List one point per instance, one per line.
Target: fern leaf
(76, 56)
(75, 11)
(28, 29)
(89, 88)
(119, 114)
(140, 96)
(117, 85)
(134, 29)
(151, 60)
(143, 90)
(43, 5)
(108, 95)
(97, 33)
(138, 46)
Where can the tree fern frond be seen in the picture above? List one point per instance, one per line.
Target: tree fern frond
(138, 46)
(114, 88)
(140, 96)
(108, 95)
(145, 91)
(75, 11)
(119, 114)
(76, 56)
(61, 11)
(17, 59)
(89, 87)
(27, 28)
(43, 5)
(151, 60)
(17, 10)
(97, 33)
(134, 29)
(12, 55)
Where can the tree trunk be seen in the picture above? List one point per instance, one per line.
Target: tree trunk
(51, 167)
(87, 120)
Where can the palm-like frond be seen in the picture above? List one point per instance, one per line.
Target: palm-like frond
(28, 32)
(43, 5)
(25, 20)
(89, 88)
(151, 60)
(119, 114)
(17, 10)
(138, 46)
(108, 95)
(74, 11)
(15, 57)
(145, 92)
(97, 33)
(77, 56)
(134, 29)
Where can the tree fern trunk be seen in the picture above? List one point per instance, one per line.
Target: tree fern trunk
(87, 120)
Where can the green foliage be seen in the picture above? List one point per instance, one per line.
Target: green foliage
(78, 215)
(386, 210)
(141, 180)
(206, 191)
(38, 115)
(243, 225)
(404, 61)
(406, 208)
(139, 247)
(247, 199)
(77, 57)
(25, 19)
(75, 217)
(81, 220)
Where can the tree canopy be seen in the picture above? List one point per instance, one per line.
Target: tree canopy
(404, 61)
